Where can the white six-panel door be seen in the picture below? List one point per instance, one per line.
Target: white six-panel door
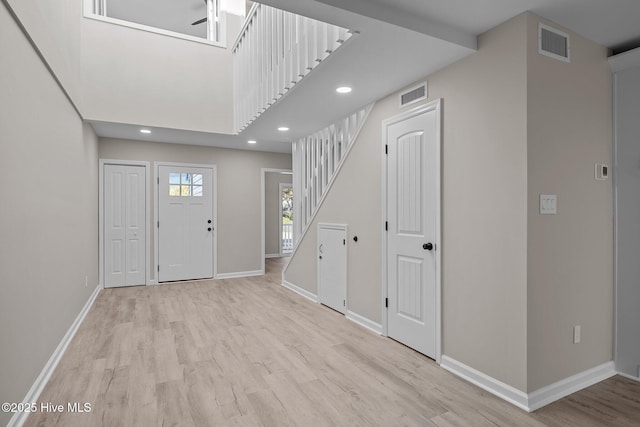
(124, 225)
(412, 209)
(185, 223)
(332, 266)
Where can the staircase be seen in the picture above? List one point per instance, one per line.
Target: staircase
(316, 161)
(274, 51)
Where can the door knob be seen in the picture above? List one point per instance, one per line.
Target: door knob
(209, 221)
(427, 246)
(209, 229)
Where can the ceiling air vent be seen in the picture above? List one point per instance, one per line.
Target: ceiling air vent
(553, 43)
(413, 95)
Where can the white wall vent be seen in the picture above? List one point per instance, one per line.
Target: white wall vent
(413, 95)
(553, 43)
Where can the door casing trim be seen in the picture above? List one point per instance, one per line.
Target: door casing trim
(436, 106)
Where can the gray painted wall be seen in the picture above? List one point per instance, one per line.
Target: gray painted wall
(514, 283)
(54, 26)
(570, 254)
(138, 77)
(48, 214)
(627, 175)
(239, 192)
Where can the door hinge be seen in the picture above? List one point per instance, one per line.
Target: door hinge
(386, 226)
(344, 241)
(158, 180)
(158, 267)
(344, 302)
(386, 302)
(386, 149)
(158, 224)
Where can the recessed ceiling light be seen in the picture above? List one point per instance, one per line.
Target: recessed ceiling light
(283, 128)
(251, 141)
(343, 89)
(145, 131)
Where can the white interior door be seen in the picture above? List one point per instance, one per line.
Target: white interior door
(185, 223)
(412, 197)
(332, 266)
(124, 226)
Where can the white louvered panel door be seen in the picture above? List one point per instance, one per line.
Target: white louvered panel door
(124, 226)
(412, 205)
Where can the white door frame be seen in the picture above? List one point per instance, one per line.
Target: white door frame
(341, 227)
(431, 106)
(263, 183)
(281, 187)
(147, 218)
(156, 209)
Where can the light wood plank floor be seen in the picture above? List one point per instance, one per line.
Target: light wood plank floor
(245, 352)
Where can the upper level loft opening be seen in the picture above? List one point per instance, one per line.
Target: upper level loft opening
(203, 21)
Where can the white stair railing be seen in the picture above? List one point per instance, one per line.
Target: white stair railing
(273, 52)
(316, 160)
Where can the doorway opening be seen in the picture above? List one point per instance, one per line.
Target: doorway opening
(286, 218)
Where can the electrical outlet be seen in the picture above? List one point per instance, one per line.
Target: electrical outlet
(576, 334)
(601, 172)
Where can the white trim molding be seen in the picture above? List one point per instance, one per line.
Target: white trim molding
(631, 377)
(19, 418)
(364, 322)
(569, 385)
(274, 255)
(536, 399)
(302, 292)
(485, 382)
(239, 274)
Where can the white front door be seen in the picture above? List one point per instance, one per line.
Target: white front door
(412, 206)
(332, 266)
(124, 226)
(185, 223)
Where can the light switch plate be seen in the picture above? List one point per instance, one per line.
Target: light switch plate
(548, 204)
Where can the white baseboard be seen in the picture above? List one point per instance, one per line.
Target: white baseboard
(282, 255)
(534, 400)
(631, 377)
(308, 295)
(364, 322)
(240, 274)
(565, 387)
(484, 381)
(19, 418)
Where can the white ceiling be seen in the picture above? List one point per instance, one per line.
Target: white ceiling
(400, 41)
(181, 136)
(612, 23)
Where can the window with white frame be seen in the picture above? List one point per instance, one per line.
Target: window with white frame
(197, 19)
